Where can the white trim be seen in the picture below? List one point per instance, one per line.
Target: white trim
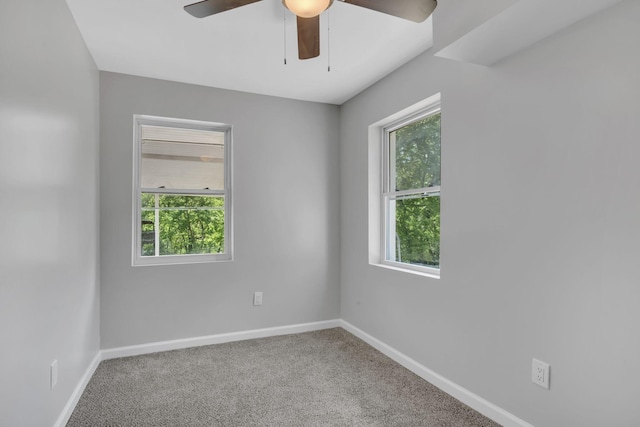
(172, 191)
(77, 392)
(413, 113)
(181, 259)
(381, 190)
(137, 259)
(470, 399)
(135, 350)
(420, 270)
(417, 192)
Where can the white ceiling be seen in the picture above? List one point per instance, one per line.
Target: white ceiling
(243, 49)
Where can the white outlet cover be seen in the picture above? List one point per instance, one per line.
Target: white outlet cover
(540, 373)
(53, 372)
(257, 298)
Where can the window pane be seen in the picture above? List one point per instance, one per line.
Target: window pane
(415, 239)
(147, 237)
(182, 158)
(417, 154)
(185, 224)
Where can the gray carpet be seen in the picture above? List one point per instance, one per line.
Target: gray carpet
(323, 378)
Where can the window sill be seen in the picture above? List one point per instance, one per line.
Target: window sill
(401, 268)
(179, 260)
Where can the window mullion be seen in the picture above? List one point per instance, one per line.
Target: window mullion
(426, 191)
(391, 229)
(179, 191)
(156, 225)
(391, 164)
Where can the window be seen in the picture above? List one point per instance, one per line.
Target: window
(182, 191)
(411, 191)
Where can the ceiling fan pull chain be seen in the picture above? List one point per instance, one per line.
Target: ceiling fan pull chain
(284, 33)
(329, 41)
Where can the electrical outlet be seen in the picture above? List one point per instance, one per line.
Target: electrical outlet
(53, 374)
(257, 298)
(540, 373)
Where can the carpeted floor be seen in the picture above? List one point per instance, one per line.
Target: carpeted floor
(323, 378)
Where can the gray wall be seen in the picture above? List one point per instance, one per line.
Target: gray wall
(540, 228)
(286, 203)
(49, 289)
(454, 19)
(541, 219)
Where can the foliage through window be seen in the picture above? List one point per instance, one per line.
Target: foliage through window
(182, 191)
(411, 191)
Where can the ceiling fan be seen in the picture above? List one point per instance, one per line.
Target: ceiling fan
(308, 15)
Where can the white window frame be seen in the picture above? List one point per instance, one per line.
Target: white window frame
(380, 192)
(227, 255)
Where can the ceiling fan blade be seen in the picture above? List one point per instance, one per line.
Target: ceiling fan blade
(211, 7)
(413, 10)
(308, 37)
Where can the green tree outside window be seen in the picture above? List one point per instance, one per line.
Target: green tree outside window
(417, 216)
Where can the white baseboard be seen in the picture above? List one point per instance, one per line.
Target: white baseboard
(77, 392)
(155, 347)
(470, 399)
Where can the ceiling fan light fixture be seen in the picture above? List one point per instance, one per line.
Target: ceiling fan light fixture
(307, 8)
(308, 15)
